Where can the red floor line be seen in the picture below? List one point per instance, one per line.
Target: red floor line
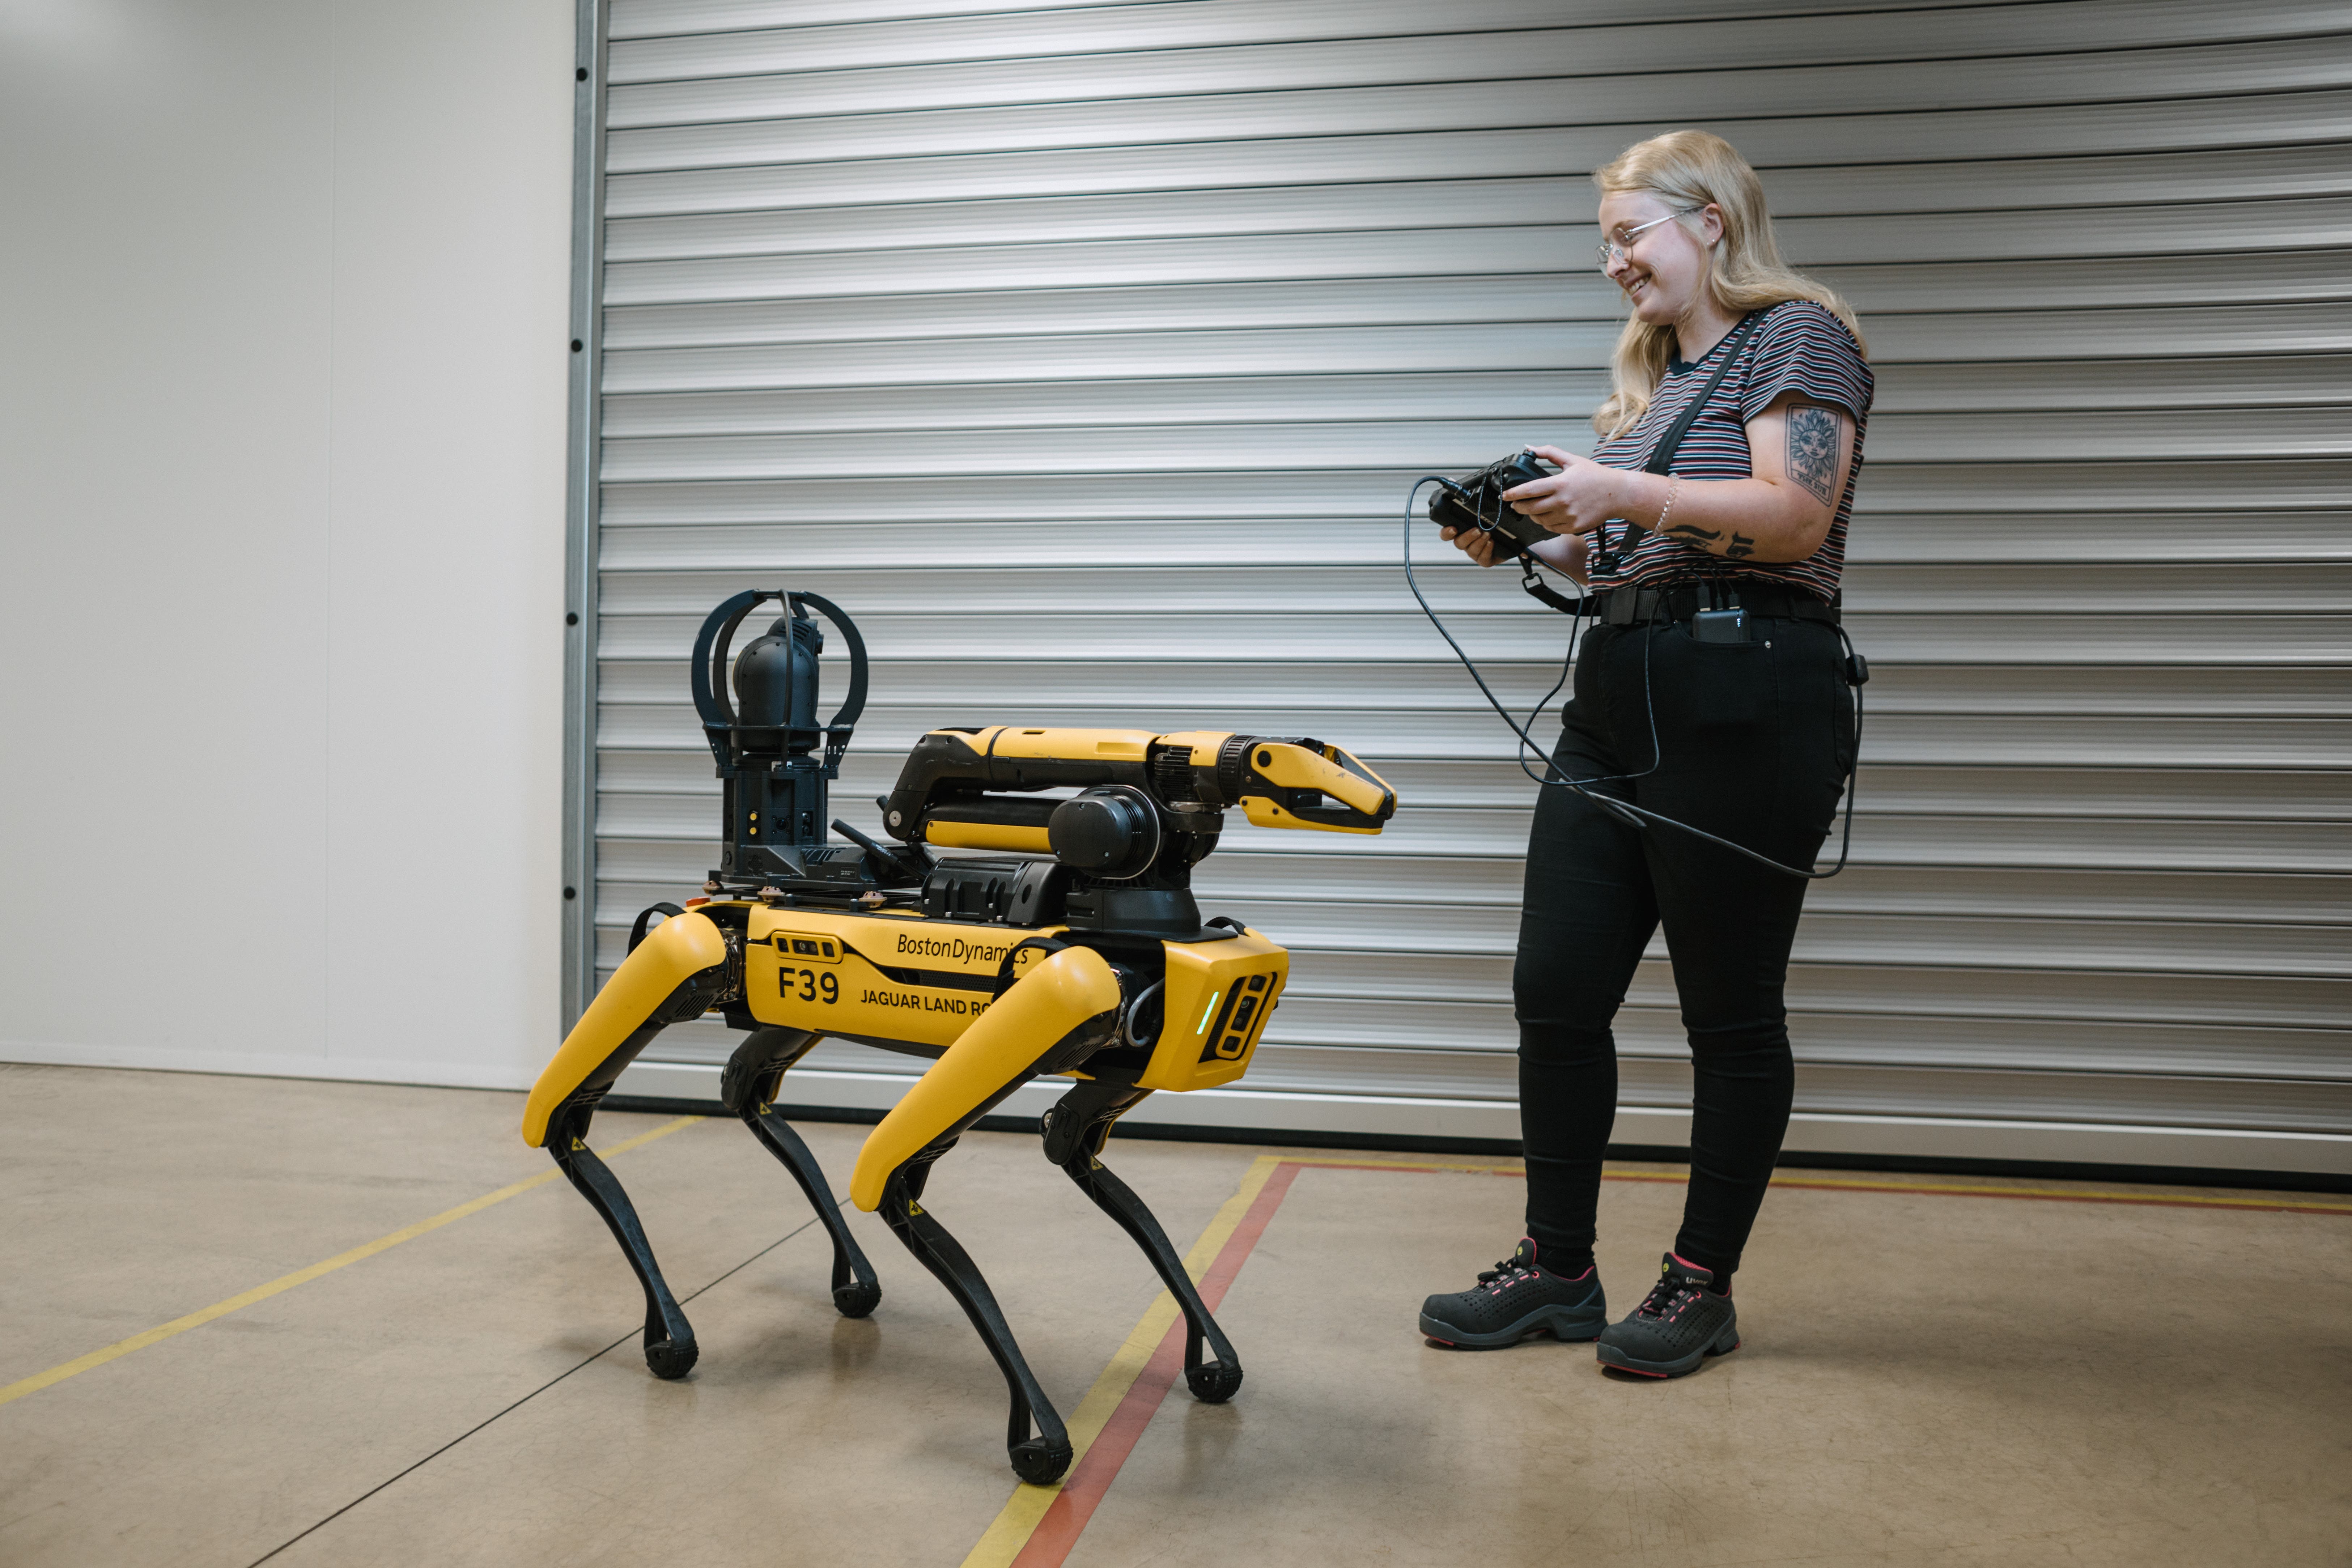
(1059, 1530)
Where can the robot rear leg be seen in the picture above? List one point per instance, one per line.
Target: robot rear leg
(748, 1087)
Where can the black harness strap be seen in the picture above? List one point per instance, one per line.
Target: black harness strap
(1663, 458)
(1544, 592)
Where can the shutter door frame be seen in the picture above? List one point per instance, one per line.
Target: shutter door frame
(577, 979)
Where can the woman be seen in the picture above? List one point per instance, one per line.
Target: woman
(1748, 740)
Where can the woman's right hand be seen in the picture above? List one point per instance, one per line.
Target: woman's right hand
(1475, 543)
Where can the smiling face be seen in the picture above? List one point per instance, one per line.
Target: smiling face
(1664, 267)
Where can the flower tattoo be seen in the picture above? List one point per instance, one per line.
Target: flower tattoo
(1813, 450)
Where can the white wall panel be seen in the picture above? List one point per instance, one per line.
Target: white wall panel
(282, 365)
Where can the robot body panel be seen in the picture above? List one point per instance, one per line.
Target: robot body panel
(1215, 1007)
(881, 977)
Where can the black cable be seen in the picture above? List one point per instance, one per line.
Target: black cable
(1567, 663)
(1625, 811)
(1567, 668)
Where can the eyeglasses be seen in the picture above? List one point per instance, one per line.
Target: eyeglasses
(1611, 252)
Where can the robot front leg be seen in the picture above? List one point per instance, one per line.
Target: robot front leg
(1063, 1010)
(1040, 1459)
(1075, 1128)
(670, 1350)
(748, 1087)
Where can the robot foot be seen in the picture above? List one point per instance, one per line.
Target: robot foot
(667, 1359)
(1041, 1462)
(1214, 1383)
(857, 1298)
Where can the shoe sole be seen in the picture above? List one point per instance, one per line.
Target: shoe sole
(1564, 1326)
(1612, 1357)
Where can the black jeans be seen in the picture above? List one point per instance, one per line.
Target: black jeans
(1752, 741)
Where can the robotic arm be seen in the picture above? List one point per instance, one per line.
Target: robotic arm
(948, 795)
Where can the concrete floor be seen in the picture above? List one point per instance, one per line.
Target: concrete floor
(1927, 1378)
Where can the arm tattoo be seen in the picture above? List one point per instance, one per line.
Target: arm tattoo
(1740, 548)
(1693, 530)
(1813, 450)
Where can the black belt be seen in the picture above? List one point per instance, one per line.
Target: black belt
(1680, 601)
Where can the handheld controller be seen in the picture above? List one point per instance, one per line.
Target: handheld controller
(1476, 501)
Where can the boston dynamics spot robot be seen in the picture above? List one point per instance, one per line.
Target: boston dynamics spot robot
(1080, 953)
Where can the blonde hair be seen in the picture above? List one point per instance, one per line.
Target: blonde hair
(1691, 169)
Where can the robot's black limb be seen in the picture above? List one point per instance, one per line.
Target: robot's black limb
(1040, 1459)
(748, 1087)
(1212, 1380)
(1074, 1129)
(669, 1342)
(856, 1289)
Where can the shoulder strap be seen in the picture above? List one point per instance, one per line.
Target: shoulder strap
(1661, 459)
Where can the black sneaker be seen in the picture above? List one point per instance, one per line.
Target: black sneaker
(1515, 1298)
(1680, 1325)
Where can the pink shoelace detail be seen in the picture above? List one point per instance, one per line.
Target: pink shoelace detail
(1669, 1298)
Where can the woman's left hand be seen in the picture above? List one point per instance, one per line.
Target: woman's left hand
(1575, 501)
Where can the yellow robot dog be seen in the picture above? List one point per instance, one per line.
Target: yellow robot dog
(1082, 953)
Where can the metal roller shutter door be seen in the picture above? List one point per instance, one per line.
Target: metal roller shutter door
(1083, 354)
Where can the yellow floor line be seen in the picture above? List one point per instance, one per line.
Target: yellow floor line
(1018, 1519)
(197, 1319)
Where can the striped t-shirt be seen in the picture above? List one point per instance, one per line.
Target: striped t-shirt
(1797, 347)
